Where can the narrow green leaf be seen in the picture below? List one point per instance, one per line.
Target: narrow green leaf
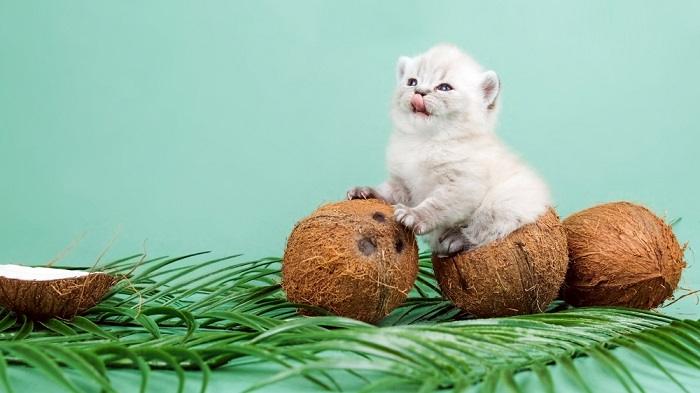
(680, 334)
(571, 371)
(137, 278)
(124, 353)
(429, 386)
(144, 320)
(544, 376)
(169, 360)
(613, 360)
(149, 324)
(58, 327)
(323, 366)
(490, 382)
(194, 359)
(185, 316)
(26, 328)
(635, 348)
(112, 264)
(8, 321)
(381, 385)
(254, 322)
(596, 353)
(507, 379)
(95, 361)
(4, 379)
(38, 360)
(311, 322)
(75, 361)
(187, 286)
(670, 347)
(160, 289)
(87, 325)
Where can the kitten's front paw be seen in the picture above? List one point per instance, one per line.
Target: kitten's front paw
(451, 242)
(411, 219)
(362, 193)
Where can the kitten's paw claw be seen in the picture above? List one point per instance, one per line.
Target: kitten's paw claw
(407, 217)
(420, 228)
(403, 215)
(361, 193)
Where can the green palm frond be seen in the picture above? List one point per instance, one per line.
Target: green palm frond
(177, 315)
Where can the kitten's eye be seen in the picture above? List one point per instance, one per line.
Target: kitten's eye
(444, 87)
(412, 81)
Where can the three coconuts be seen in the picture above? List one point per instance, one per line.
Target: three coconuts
(353, 259)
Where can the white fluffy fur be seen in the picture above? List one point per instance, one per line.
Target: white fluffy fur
(450, 176)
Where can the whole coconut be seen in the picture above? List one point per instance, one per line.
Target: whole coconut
(519, 274)
(351, 258)
(621, 254)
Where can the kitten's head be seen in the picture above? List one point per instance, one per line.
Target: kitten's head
(444, 89)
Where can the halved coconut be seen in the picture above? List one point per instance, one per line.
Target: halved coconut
(519, 274)
(42, 293)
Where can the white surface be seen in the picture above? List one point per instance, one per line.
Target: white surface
(38, 273)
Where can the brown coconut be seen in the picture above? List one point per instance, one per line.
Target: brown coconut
(60, 298)
(350, 258)
(621, 254)
(519, 274)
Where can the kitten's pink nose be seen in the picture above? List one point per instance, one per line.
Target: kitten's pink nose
(418, 103)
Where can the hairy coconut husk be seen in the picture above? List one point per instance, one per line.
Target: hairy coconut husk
(351, 258)
(621, 254)
(519, 274)
(62, 298)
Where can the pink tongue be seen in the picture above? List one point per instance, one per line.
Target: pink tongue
(417, 102)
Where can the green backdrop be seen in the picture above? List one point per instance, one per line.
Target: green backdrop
(215, 125)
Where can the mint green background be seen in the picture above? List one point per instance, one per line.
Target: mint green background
(216, 125)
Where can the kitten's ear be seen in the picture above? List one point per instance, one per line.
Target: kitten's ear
(490, 87)
(401, 66)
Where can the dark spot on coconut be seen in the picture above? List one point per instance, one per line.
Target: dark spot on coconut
(398, 245)
(367, 246)
(379, 217)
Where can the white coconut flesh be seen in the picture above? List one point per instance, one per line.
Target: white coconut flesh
(30, 273)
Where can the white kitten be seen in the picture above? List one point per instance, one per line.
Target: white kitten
(449, 175)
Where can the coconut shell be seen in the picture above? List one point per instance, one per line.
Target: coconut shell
(621, 254)
(519, 274)
(62, 298)
(350, 258)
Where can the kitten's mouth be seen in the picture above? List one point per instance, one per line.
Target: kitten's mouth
(418, 105)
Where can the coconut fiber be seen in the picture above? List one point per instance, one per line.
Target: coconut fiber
(621, 254)
(350, 258)
(519, 274)
(62, 298)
